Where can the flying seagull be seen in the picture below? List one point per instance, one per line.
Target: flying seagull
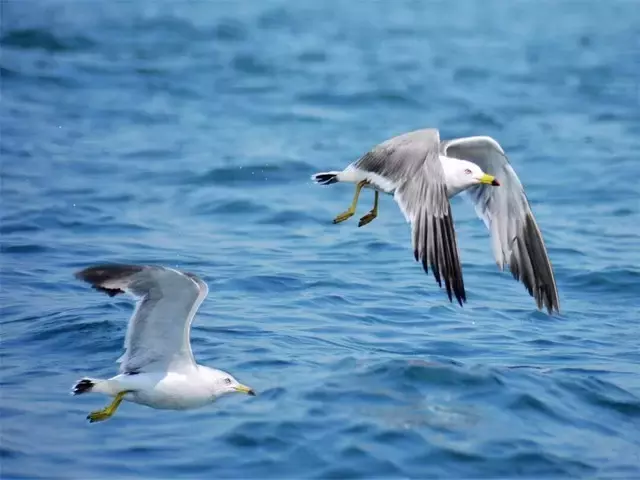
(157, 368)
(423, 173)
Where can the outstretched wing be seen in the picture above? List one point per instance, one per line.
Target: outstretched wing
(515, 236)
(158, 333)
(410, 166)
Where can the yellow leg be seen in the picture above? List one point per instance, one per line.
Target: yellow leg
(352, 209)
(372, 214)
(108, 411)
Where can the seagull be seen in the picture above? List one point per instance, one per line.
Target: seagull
(157, 368)
(423, 173)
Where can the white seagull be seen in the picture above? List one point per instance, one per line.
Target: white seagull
(423, 173)
(157, 368)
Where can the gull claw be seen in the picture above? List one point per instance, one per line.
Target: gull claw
(368, 218)
(343, 216)
(98, 416)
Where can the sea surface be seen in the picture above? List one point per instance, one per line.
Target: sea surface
(183, 133)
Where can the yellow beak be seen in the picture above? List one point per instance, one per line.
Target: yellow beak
(245, 389)
(489, 180)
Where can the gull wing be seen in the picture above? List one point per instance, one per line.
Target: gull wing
(411, 164)
(515, 236)
(158, 334)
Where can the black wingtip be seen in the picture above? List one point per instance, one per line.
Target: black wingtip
(529, 264)
(98, 275)
(101, 273)
(440, 254)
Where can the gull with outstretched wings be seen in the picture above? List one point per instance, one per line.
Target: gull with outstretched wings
(423, 173)
(157, 368)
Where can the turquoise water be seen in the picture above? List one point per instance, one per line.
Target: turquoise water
(184, 134)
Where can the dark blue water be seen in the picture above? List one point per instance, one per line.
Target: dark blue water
(184, 134)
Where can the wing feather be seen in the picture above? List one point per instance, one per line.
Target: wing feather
(158, 334)
(411, 163)
(516, 237)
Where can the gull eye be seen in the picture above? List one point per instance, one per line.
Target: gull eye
(467, 171)
(227, 381)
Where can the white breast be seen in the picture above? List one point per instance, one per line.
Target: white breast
(174, 391)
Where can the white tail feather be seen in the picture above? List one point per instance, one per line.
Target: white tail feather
(325, 178)
(94, 385)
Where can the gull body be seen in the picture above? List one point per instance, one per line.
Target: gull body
(454, 172)
(423, 173)
(168, 390)
(158, 368)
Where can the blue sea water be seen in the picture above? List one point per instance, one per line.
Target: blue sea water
(184, 134)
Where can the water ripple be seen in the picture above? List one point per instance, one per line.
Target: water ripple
(38, 38)
(185, 136)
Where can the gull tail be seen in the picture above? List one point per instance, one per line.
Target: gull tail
(325, 178)
(88, 385)
(83, 386)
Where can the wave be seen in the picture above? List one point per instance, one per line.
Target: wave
(283, 172)
(41, 39)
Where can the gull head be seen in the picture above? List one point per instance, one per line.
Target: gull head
(462, 174)
(221, 383)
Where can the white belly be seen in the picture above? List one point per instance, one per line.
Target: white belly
(171, 391)
(374, 181)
